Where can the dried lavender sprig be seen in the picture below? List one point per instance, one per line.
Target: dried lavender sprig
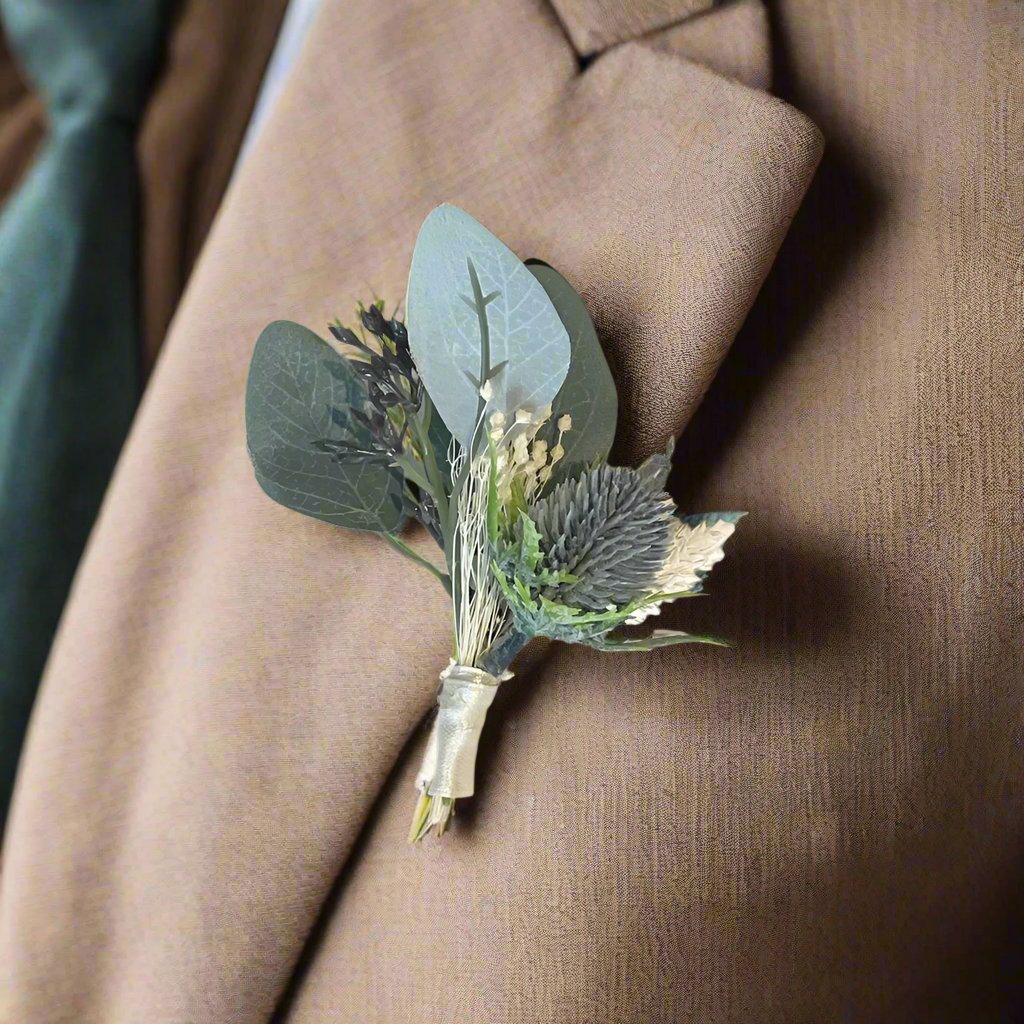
(394, 394)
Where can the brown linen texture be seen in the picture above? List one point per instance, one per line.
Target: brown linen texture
(820, 824)
(21, 122)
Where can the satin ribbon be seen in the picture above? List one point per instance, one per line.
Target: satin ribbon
(449, 762)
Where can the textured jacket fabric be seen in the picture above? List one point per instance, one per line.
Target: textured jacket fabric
(820, 824)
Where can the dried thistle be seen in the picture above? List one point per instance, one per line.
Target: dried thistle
(610, 528)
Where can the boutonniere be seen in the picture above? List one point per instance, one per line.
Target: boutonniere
(488, 416)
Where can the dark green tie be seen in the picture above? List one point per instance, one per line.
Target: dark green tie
(69, 319)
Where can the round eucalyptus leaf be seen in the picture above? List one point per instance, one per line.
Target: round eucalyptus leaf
(588, 392)
(300, 394)
(474, 309)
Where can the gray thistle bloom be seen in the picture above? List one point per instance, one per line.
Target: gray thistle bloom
(611, 528)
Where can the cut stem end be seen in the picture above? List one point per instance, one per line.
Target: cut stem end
(432, 812)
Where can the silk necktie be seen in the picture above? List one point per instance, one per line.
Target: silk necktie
(69, 332)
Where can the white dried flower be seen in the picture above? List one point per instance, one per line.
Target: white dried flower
(694, 549)
(565, 423)
(644, 613)
(520, 449)
(557, 454)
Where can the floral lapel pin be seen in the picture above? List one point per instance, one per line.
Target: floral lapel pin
(488, 416)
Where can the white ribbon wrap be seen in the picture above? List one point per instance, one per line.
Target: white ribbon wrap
(450, 760)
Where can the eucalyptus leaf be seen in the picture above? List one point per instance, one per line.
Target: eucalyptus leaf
(439, 437)
(588, 392)
(299, 393)
(473, 305)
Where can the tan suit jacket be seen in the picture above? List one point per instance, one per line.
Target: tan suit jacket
(822, 824)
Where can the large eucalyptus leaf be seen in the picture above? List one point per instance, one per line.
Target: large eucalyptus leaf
(588, 392)
(471, 302)
(440, 440)
(300, 392)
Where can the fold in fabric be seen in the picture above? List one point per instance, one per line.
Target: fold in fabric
(190, 137)
(204, 754)
(69, 312)
(298, 16)
(595, 25)
(21, 122)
